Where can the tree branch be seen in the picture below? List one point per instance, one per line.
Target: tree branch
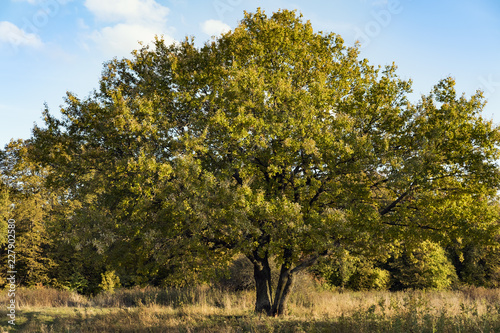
(426, 227)
(308, 262)
(394, 203)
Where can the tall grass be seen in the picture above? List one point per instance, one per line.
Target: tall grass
(205, 309)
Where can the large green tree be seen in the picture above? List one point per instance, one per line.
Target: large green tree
(273, 141)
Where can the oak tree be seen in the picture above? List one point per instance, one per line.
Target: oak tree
(274, 141)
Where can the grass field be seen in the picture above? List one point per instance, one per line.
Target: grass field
(208, 310)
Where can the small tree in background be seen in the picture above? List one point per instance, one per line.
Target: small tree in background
(26, 200)
(110, 281)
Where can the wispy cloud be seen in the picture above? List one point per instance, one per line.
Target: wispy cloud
(130, 11)
(214, 27)
(15, 36)
(126, 23)
(122, 38)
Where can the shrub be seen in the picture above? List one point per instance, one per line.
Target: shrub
(351, 272)
(368, 277)
(110, 281)
(426, 267)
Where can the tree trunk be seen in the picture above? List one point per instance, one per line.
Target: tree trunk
(285, 282)
(283, 291)
(262, 276)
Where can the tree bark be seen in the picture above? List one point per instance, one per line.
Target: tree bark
(262, 276)
(263, 287)
(283, 291)
(285, 282)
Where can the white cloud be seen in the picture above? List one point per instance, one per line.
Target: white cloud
(13, 35)
(130, 11)
(214, 27)
(81, 24)
(128, 22)
(121, 39)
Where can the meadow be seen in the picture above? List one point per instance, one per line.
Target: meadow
(205, 309)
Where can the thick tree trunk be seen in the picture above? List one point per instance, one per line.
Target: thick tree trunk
(262, 301)
(262, 276)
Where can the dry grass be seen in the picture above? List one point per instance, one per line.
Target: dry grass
(204, 309)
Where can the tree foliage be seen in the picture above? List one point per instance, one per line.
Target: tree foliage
(477, 264)
(26, 200)
(271, 141)
(425, 267)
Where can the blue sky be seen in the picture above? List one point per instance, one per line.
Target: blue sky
(48, 47)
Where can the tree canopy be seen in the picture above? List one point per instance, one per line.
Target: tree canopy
(273, 141)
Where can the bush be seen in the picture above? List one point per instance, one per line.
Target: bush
(351, 272)
(110, 281)
(367, 277)
(427, 267)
